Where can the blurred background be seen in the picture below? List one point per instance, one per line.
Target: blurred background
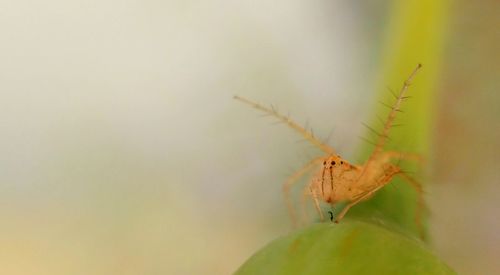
(123, 152)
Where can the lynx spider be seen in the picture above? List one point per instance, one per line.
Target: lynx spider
(336, 179)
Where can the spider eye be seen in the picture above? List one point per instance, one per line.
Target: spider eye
(341, 162)
(333, 162)
(324, 162)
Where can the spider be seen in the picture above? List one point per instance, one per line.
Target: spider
(337, 180)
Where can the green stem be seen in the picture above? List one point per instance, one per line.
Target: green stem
(416, 34)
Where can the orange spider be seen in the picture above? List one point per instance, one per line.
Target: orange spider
(336, 179)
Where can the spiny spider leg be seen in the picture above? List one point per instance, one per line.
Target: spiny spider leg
(316, 204)
(420, 200)
(308, 135)
(382, 138)
(291, 180)
(382, 182)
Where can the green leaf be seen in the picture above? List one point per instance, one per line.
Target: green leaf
(350, 247)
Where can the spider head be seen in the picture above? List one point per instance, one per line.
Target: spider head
(335, 163)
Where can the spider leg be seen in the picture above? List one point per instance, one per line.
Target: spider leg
(394, 109)
(316, 204)
(308, 135)
(380, 183)
(291, 180)
(391, 155)
(303, 201)
(420, 201)
(356, 201)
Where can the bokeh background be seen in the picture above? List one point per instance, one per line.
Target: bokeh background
(122, 151)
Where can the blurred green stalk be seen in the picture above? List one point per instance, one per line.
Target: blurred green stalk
(416, 34)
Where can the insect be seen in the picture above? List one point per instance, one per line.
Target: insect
(334, 179)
